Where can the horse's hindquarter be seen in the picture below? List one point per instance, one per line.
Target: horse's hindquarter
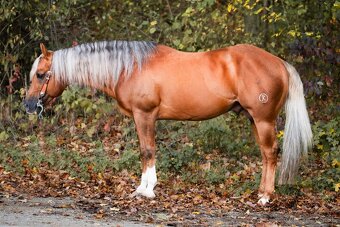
(260, 73)
(191, 86)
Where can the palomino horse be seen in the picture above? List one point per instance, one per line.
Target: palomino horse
(152, 82)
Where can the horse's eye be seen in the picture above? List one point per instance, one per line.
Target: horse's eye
(40, 76)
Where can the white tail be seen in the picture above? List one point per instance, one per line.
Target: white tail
(298, 137)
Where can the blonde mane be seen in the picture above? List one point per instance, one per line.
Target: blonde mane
(100, 63)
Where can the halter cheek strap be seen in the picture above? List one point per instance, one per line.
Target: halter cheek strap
(42, 94)
(44, 87)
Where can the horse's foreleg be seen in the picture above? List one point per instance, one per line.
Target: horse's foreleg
(145, 126)
(269, 149)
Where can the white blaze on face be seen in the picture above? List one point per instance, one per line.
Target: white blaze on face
(34, 67)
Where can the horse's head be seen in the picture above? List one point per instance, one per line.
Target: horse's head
(44, 86)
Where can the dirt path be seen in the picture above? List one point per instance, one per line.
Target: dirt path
(51, 212)
(33, 211)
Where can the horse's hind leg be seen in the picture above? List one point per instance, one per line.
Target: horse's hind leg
(264, 164)
(266, 137)
(145, 126)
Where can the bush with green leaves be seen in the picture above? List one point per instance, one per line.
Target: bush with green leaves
(327, 146)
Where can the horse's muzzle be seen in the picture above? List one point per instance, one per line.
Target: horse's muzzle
(30, 105)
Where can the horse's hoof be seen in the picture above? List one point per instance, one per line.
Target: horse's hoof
(143, 192)
(263, 201)
(149, 194)
(134, 194)
(140, 190)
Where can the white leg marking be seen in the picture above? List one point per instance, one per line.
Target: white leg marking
(152, 180)
(143, 183)
(148, 182)
(263, 201)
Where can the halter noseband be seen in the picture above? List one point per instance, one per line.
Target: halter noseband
(43, 93)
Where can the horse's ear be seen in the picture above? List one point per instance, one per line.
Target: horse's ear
(43, 49)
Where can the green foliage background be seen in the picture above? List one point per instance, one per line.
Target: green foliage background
(305, 33)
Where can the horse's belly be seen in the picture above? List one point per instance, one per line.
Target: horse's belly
(198, 108)
(195, 97)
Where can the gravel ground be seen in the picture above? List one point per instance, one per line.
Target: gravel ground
(51, 212)
(33, 211)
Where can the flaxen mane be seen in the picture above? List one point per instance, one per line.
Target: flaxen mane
(100, 63)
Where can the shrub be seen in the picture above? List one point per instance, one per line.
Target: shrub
(327, 146)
